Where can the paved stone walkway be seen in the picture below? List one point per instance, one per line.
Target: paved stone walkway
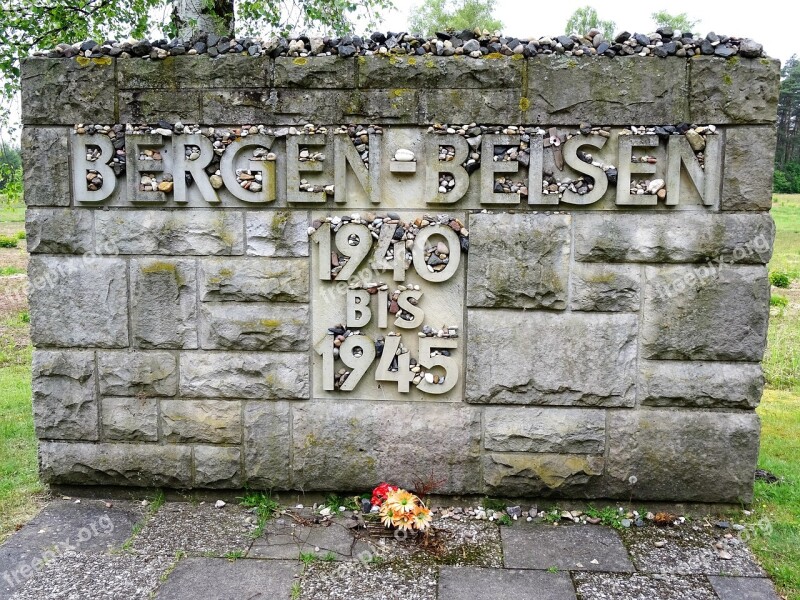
(184, 551)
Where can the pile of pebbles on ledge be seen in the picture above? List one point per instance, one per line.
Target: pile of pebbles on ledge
(474, 43)
(221, 138)
(437, 256)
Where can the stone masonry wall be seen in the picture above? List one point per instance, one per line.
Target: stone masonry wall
(608, 349)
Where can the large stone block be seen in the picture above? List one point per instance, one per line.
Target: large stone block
(553, 430)
(468, 106)
(194, 72)
(64, 395)
(705, 313)
(605, 288)
(257, 105)
(217, 467)
(350, 445)
(542, 475)
(518, 261)
(673, 238)
(256, 375)
(682, 455)
(442, 72)
(66, 92)
(201, 421)
(164, 303)
(130, 419)
(577, 359)
(151, 106)
(565, 90)
(46, 166)
(78, 302)
(142, 465)
(267, 444)
(749, 165)
(137, 374)
(253, 280)
(196, 232)
(700, 384)
(281, 233)
(254, 326)
(315, 72)
(735, 91)
(59, 231)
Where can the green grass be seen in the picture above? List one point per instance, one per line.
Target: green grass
(786, 257)
(12, 214)
(776, 518)
(6, 271)
(7, 241)
(19, 480)
(265, 508)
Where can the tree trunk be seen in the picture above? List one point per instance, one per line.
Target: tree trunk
(212, 16)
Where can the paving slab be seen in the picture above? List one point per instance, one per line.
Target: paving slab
(690, 551)
(196, 529)
(286, 539)
(568, 548)
(743, 588)
(638, 586)
(221, 579)
(84, 576)
(353, 580)
(65, 526)
(458, 583)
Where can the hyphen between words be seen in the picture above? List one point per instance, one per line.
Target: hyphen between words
(177, 170)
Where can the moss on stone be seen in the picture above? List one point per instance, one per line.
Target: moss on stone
(300, 61)
(159, 267)
(279, 222)
(494, 56)
(524, 103)
(270, 323)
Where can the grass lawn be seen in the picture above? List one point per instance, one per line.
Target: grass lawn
(786, 212)
(776, 507)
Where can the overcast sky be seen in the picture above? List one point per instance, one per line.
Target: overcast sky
(773, 23)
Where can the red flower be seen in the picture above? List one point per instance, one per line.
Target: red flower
(380, 493)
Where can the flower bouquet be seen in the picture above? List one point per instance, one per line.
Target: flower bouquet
(400, 508)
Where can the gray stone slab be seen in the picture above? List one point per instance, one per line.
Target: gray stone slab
(193, 72)
(690, 551)
(749, 155)
(78, 302)
(141, 106)
(96, 576)
(140, 465)
(569, 548)
(196, 529)
(66, 92)
(441, 72)
(518, 261)
(267, 444)
(59, 231)
(686, 455)
(519, 357)
(564, 430)
(637, 586)
(536, 474)
(733, 91)
(743, 588)
(284, 538)
(458, 583)
(46, 166)
(63, 527)
(221, 579)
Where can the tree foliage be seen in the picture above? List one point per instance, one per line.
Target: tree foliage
(28, 25)
(10, 175)
(680, 22)
(584, 19)
(787, 156)
(442, 15)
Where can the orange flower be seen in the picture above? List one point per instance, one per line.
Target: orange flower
(402, 501)
(403, 521)
(422, 518)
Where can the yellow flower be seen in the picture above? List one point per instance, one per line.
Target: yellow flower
(403, 501)
(422, 518)
(388, 515)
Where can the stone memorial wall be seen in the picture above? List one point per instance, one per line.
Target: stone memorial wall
(519, 274)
